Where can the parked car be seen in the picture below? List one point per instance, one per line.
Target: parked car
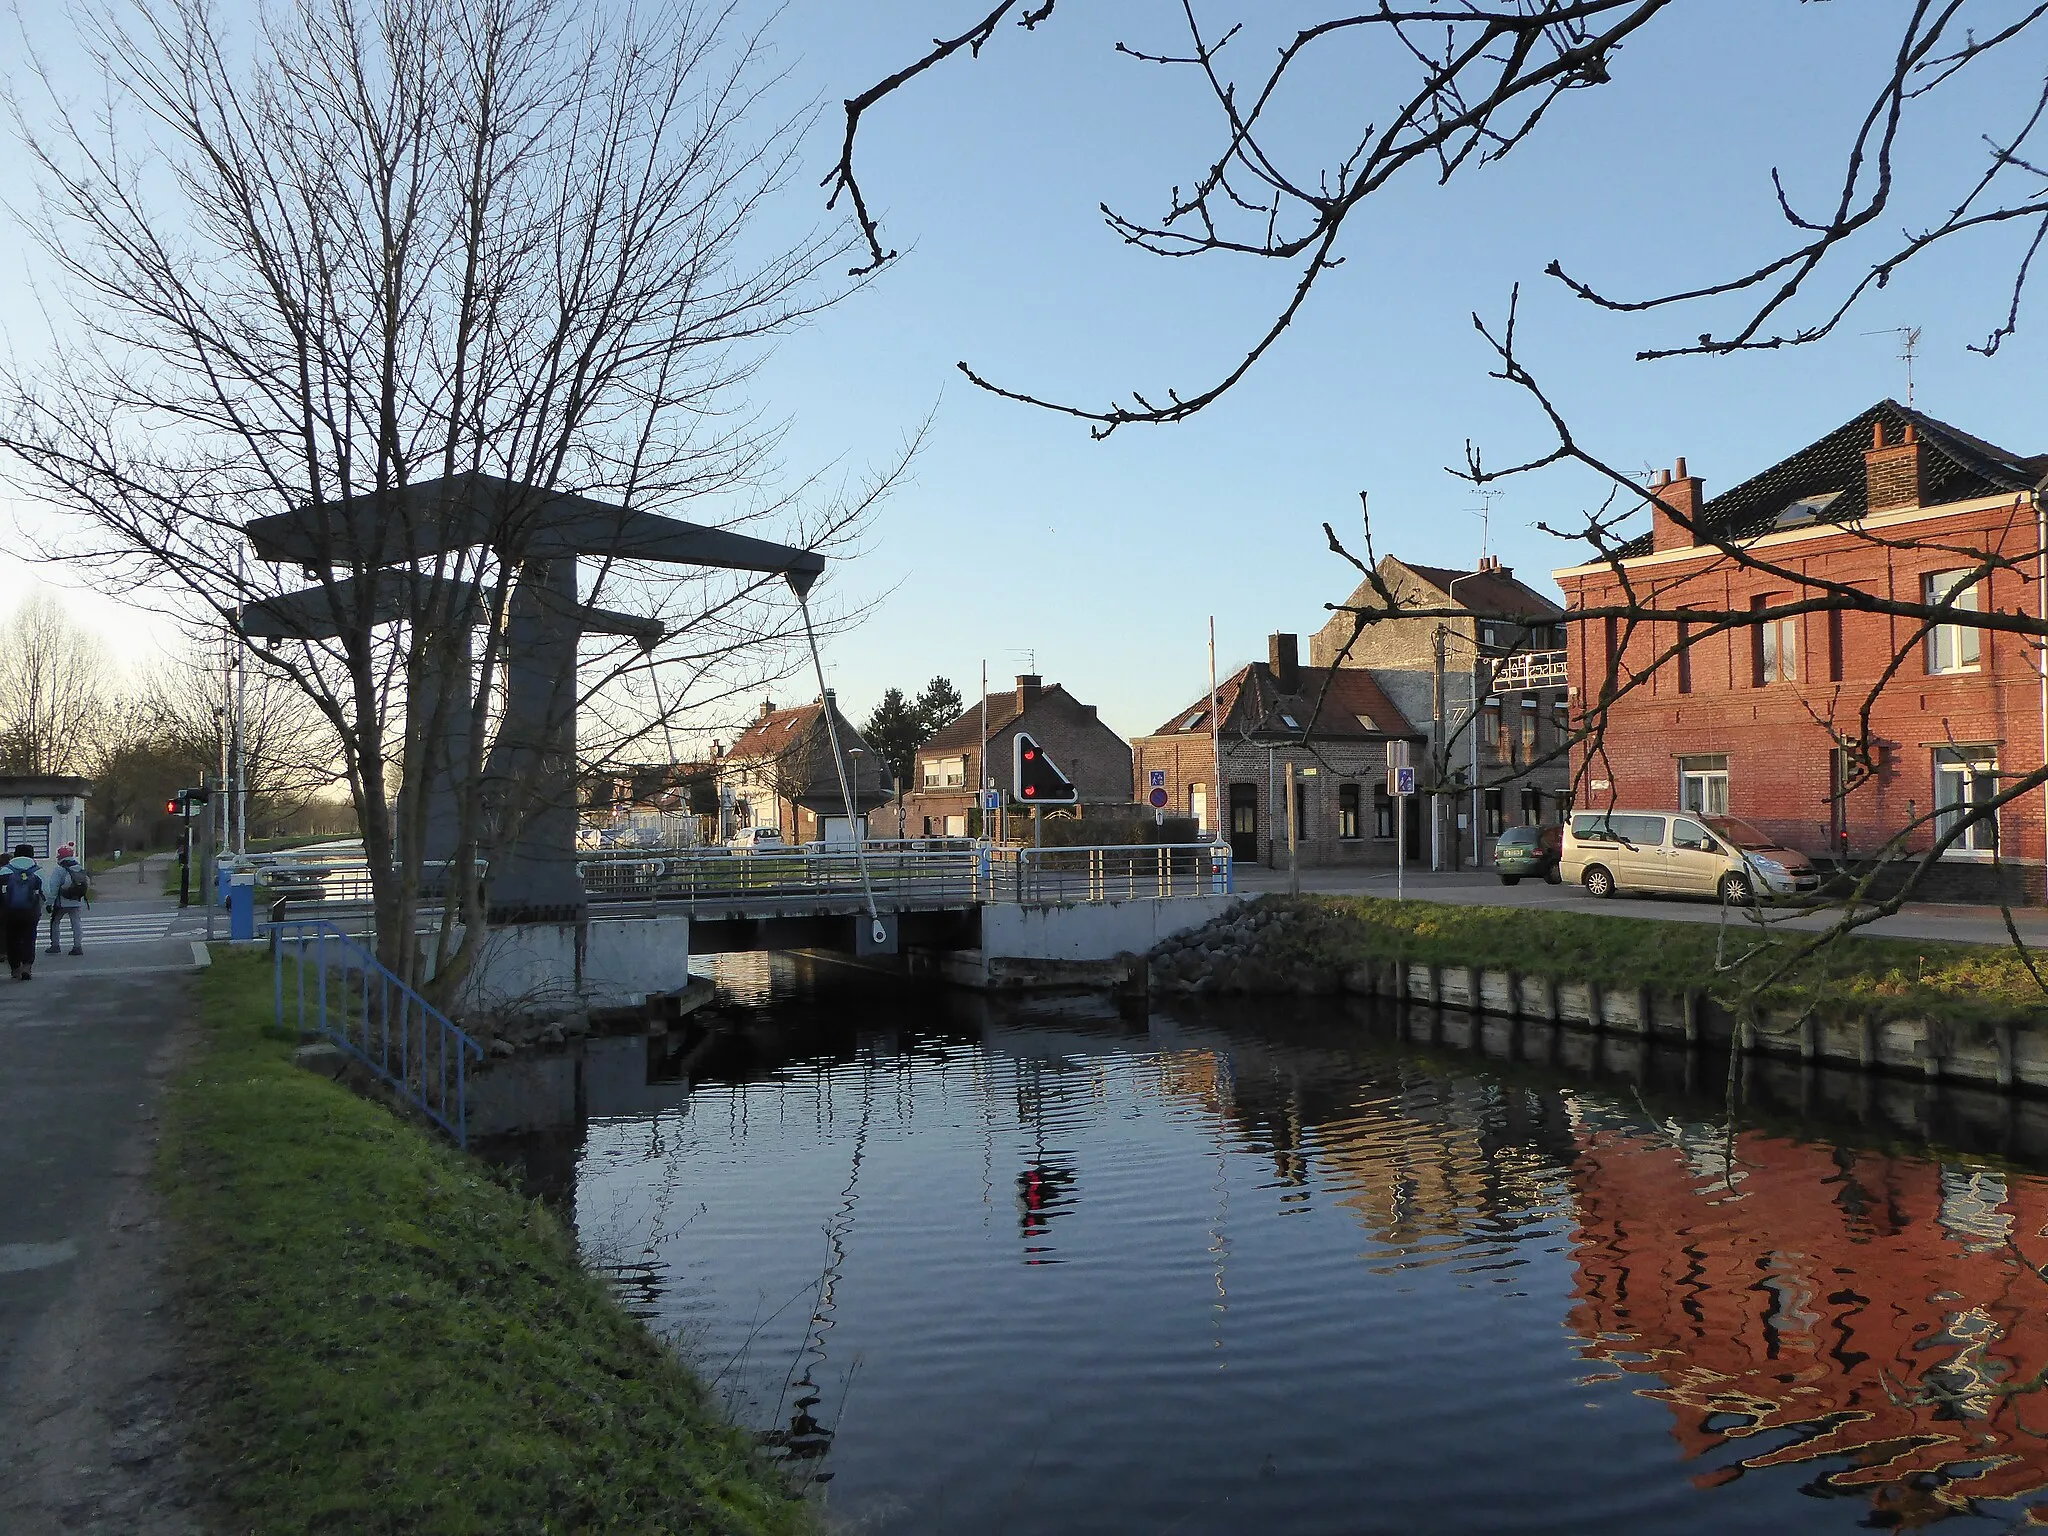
(757, 840)
(1683, 853)
(1528, 851)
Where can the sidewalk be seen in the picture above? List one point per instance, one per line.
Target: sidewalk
(89, 1385)
(1473, 888)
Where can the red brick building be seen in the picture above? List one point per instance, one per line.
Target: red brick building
(1750, 721)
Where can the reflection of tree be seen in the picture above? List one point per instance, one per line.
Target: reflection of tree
(1813, 1314)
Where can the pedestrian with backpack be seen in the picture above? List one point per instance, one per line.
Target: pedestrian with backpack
(21, 909)
(70, 893)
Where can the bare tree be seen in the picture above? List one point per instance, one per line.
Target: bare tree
(53, 690)
(289, 754)
(381, 245)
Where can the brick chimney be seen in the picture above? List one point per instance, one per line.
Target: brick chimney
(1283, 660)
(1029, 686)
(1895, 473)
(1681, 492)
(767, 708)
(1490, 565)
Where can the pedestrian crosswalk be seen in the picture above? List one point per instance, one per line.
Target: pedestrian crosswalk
(117, 927)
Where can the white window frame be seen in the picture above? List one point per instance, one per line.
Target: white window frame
(1965, 776)
(1702, 786)
(1953, 648)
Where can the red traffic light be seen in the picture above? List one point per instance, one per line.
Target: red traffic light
(172, 807)
(1037, 778)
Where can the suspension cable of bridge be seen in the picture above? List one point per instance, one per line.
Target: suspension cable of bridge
(853, 823)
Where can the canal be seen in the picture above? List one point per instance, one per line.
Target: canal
(973, 1265)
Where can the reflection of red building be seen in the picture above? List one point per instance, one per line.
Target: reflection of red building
(1807, 1315)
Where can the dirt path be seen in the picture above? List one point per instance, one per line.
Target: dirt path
(93, 1382)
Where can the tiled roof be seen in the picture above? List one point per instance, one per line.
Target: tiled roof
(965, 729)
(1489, 594)
(776, 732)
(1253, 705)
(1955, 467)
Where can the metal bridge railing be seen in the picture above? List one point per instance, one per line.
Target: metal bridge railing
(1121, 873)
(902, 875)
(342, 991)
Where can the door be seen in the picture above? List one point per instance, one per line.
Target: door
(1198, 807)
(1694, 861)
(1639, 859)
(1244, 822)
(1411, 827)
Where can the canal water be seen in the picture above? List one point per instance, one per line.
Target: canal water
(1306, 1267)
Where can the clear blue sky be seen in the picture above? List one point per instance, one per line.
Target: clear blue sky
(1019, 534)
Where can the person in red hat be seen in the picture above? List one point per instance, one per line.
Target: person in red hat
(68, 887)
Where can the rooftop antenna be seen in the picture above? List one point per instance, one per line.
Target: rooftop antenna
(1485, 516)
(1909, 344)
(1030, 659)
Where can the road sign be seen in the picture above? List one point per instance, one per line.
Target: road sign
(1158, 798)
(1158, 780)
(991, 799)
(1401, 781)
(1160, 816)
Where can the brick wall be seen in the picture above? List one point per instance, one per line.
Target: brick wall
(1780, 773)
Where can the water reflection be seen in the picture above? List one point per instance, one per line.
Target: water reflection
(1025, 1267)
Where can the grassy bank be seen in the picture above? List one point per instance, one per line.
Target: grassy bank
(399, 1343)
(1882, 978)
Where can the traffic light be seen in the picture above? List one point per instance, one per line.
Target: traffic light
(175, 806)
(1038, 780)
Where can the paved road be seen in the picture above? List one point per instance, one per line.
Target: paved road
(1918, 920)
(84, 1372)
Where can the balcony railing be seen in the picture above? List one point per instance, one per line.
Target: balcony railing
(1530, 669)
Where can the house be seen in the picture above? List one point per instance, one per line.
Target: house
(45, 811)
(1334, 728)
(1759, 721)
(940, 800)
(780, 772)
(1503, 644)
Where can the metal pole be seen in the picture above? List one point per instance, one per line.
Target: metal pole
(206, 890)
(241, 743)
(1293, 849)
(1218, 809)
(1400, 844)
(1439, 759)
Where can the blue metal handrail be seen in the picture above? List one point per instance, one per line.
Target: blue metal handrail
(370, 1012)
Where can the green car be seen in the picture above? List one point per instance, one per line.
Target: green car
(1528, 851)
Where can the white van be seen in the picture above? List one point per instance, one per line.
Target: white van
(1682, 853)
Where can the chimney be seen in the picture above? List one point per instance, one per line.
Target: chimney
(1029, 686)
(1489, 565)
(1681, 492)
(767, 709)
(1894, 473)
(1283, 660)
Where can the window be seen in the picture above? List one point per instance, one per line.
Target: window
(1290, 722)
(1198, 807)
(1532, 807)
(1965, 778)
(1382, 814)
(1612, 655)
(1630, 831)
(1703, 784)
(1561, 719)
(1193, 720)
(1303, 790)
(956, 826)
(1489, 637)
(1347, 812)
(1496, 814)
(1528, 730)
(1774, 657)
(1366, 721)
(33, 830)
(945, 772)
(1953, 647)
(1690, 834)
(1490, 738)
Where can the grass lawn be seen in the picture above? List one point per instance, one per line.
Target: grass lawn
(1899, 978)
(397, 1342)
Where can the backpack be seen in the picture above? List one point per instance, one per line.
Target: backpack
(22, 891)
(72, 881)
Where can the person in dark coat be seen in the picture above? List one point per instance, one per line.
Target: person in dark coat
(21, 909)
